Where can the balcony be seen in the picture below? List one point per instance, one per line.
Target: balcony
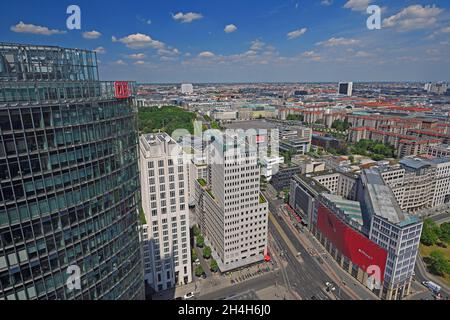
(48, 91)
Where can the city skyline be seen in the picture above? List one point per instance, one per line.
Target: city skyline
(235, 42)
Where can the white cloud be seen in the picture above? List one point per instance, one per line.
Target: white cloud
(31, 28)
(139, 40)
(100, 50)
(164, 58)
(140, 62)
(332, 42)
(312, 55)
(445, 30)
(230, 28)
(91, 34)
(187, 17)
(358, 5)
(432, 51)
(137, 56)
(326, 2)
(363, 54)
(414, 17)
(120, 63)
(168, 52)
(206, 54)
(143, 20)
(257, 45)
(296, 33)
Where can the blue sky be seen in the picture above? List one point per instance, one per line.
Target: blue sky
(266, 40)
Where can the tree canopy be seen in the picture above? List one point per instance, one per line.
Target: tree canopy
(200, 241)
(376, 150)
(167, 119)
(295, 117)
(430, 232)
(207, 252)
(199, 271)
(214, 266)
(438, 264)
(340, 125)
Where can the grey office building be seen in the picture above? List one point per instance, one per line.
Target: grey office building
(69, 178)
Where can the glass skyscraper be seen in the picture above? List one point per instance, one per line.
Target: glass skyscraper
(69, 178)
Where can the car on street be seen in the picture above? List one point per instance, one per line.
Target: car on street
(432, 286)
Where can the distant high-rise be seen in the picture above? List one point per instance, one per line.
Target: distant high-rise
(69, 178)
(346, 88)
(165, 201)
(187, 88)
(436, 88)
(232, 212)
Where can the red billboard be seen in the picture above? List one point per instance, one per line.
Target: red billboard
(122, 90)
(352, 244)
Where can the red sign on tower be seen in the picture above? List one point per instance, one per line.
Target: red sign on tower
(122, 90)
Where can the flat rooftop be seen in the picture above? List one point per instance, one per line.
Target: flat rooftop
(382, 198)
(352, 209)
(311, 183)
(252, 124)
(419, 163)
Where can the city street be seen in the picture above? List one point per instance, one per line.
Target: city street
(315, 266)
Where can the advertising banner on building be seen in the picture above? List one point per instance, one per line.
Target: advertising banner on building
(352, 244)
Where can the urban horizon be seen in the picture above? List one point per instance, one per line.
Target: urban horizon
(183, 155)
(176, 41)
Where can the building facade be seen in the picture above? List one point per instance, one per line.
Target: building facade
(165, 201)
(392, 229)
(233, 214)
(419, 183)
(69, 178)
(371, 238)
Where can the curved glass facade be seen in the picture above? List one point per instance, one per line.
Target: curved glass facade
(69, 191)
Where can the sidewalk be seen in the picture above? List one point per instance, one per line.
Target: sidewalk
(215, 282)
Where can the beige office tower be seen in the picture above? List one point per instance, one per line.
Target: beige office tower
(164, 185)
(230, 209)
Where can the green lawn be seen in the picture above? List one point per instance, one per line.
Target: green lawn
(426, 250)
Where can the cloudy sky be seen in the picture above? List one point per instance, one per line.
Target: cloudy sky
(162, 41)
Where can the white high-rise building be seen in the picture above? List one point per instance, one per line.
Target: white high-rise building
(164, 189)
(187, 88)
(231, 211)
